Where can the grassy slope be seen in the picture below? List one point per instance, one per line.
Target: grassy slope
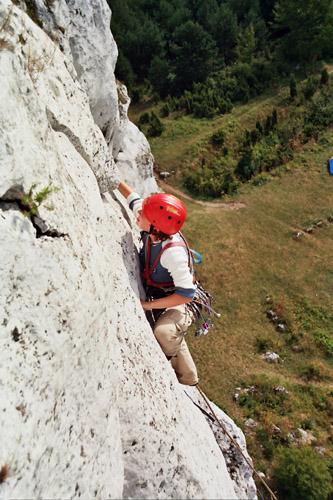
(186, 137)
(249, 254)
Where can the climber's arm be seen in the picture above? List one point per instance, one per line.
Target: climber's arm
(125, 189)
(165, 302)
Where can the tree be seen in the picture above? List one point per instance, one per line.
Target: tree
(292, 87)
(225, 31)
(306, 28)
(124, 71)
(195, 55)
(141, 44)
(267, 9)
(246, 44)
(206, 14)
(161, 76)
(324, 77)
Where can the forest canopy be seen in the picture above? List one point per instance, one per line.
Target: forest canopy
(176, 44)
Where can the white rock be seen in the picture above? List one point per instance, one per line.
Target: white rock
(251, 423)
(320, 450)
(305, 437)
(82, 29)
(241, 472)
(131, 150)
(281, 389)
(271, 357)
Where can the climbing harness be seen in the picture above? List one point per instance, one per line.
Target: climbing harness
(213, 417)
(201, 304)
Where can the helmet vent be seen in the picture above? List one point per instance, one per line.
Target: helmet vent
(169, 217)
(161, 207)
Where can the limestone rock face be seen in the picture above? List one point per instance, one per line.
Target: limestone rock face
(238, 467)
(131, 150)
(90, 406)
(82, 30)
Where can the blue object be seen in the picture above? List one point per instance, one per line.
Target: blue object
(197, 257)
(330, 166)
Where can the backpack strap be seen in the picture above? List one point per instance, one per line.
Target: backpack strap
(149, 270)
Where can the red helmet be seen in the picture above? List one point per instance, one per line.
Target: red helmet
(165, 212)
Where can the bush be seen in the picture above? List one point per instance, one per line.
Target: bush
(266, 443)
(213, 181)
(261, 179)
(156, 127)
(310, 88)
(217, 139)
(324, 77)
(264, 398)
(263, 344)
(325, 341)
(292, 87)
(245, 168)
(165, 110)
(301, 474)
(144, 118)
(312, 372)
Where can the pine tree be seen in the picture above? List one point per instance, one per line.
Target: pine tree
(324, 77)
(292, 87)
(195, 55)
(306, 26)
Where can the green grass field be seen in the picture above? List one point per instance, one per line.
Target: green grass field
(253, 263)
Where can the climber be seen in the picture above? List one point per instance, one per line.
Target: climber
(167, 272)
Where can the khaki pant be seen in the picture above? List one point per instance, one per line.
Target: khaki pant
(170, 330)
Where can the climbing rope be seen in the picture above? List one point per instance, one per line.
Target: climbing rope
(224, 430)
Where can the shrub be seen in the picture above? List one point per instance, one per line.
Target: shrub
(325, 341)
(324, 77)
(165, 110)
(261, 179)
(292, 87)
(217, 139)
(301, 473)
(144, 118)
(213, 181)
(264, 398)
(156, 127)
(263, 344)
(32, 200)
(312, 372)
(310, 88)
(245, 168)
(259, 128)
(266, 443)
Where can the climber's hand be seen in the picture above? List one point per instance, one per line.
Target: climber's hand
(146, 305)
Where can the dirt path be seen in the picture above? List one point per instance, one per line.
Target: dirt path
(232, 205)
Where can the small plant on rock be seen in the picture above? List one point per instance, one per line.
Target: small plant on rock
(32, 200)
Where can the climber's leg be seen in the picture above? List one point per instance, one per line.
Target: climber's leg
(169, 331)
(184, 366)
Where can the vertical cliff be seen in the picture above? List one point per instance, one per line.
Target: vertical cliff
(90, 406)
